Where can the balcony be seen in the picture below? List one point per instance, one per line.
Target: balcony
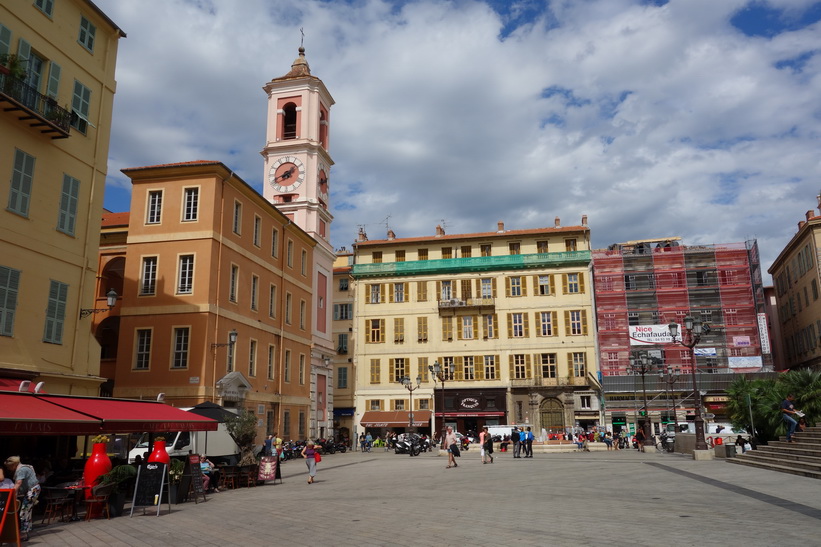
(33, 108)
(467, 303)
(472, 264)
(548, 382)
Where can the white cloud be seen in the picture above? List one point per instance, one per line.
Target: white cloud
(659, 121)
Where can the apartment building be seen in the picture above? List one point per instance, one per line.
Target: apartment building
(344, 387)
(57, 62)
(797, 276)
(216, 292)
(506, 316)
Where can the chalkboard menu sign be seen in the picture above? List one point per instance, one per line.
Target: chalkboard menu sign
(192, 478)
(9, 530)
(152, 480)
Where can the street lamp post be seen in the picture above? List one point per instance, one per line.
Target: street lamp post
(642, 364)
(695, 330)
(670, 380)
(405, 381)
(441, 373)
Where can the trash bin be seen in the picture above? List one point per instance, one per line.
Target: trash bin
(725, 451)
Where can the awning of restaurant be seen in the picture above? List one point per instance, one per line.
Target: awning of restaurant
(31, 414)
(395, 418)
(25, 414)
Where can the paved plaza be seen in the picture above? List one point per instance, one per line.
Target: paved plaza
(379, 498)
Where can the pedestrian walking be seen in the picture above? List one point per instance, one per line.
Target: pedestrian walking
(516, 438)
(452, 447)
(27, 488)
(789, 413)
(486, 443)
(528, 443)
(310, 456)
(640, 438)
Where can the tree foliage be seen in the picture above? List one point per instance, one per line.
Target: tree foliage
(243, 429)
(756, 403)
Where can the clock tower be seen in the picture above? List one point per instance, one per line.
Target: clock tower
(296, 180)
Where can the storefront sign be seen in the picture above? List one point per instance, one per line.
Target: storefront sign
(470, 402)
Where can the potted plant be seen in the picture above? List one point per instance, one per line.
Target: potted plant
(121, 476)
(175, 472)
(13, 65)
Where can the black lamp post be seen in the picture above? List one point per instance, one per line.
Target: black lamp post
(405, 381)
(111, 300)
(441, 373)
(642, 364)
(670, 379)
(695, 330)
(232, 339)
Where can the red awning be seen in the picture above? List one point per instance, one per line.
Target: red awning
(124, 415)
(25, 414)
(395, 418)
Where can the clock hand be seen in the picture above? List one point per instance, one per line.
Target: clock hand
(286, 174)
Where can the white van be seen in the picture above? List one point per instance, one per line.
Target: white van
(217, 445)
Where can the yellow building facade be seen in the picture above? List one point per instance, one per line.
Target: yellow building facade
(506, 315)
(345, 344)
(56, 94)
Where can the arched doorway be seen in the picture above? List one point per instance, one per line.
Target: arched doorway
(551, 412)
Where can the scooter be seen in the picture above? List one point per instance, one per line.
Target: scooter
(408, 444)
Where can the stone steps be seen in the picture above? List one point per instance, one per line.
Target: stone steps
(801, 457)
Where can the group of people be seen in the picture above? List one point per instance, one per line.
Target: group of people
(522, 440)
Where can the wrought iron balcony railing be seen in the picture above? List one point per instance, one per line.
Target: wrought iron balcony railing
(33, 108)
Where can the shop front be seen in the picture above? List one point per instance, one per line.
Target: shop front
(469, 410)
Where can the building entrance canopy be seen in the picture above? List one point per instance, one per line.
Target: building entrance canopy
(397, 418)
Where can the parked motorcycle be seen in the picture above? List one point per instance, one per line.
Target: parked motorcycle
(425, 444)
(408, 444)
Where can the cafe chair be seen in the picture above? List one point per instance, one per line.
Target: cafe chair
(58, 504)
(98, 502)
(248, 475)
(230, 477)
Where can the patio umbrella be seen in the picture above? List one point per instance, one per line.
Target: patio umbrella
(213, 411)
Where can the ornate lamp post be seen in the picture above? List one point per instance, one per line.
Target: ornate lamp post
(111, 300)
(642, 364)
(405, 381)
(670, 378)
(441, 373)
(694, 331)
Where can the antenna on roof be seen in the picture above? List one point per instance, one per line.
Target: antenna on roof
(387, 222)
(443, 224)
(302, 40)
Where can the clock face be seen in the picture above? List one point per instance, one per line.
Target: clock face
(286, 174)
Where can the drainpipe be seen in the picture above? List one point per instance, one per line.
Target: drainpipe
(217, 303)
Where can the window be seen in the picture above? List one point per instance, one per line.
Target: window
(80, 107)
(87, 31)
(576, 322)
(254, 292)
(22, 177)
(46, 6)
(468, 332)
(446, 292)
(237, 224)
(375, 293)
(286, 423)
(342, 344)
(398, 292)
(485, 249)
(400, 256)
(730, 317)
(515, 286)
(398, 369)
(343, 311)
(191, 204)
(520, 368)
(375, 371)
(142, 357)
(288, 305)
(633, 318)
(547, 323)
(286, 367)
(490, 367)
(252, 358)
(423, 404)
(515, 248)
(585, 401)
(422, 329)
(517, 325)
(185, 276)
(233, 283)
(154, 214)
(342, 378)
(447, 329)
(489, 326)
(148, 285)
(579, 365)
(272, 350)
(376, 257)
(289, 254)
(55, 312)
(373, 404)
(9, 286)
(423, 254)
(343, 283)
(303, 265)
(447, 252)
(257, 231)
(373, 330)
(466, 251)
(547, 362)
(272, 301)
(573, 283)
(302, 314)
(569, 244)
(541, 247)
(182, 336)
(486, 288)
(544, 282)
(275, 243)
(67, 217)
(398, 330)
(469, 368)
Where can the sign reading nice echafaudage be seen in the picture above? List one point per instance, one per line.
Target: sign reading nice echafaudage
(642, 335)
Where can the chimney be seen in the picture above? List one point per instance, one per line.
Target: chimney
(362, 235)
(810, 214)
(584, 220)
(801, 224)
(439, 230)
(557, 222)
(391, 235)
(500, 227)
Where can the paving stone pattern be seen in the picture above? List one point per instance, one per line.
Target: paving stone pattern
(574, 499)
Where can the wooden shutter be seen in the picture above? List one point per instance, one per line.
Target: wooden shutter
(511, 367)
(581, 282)
(528, 371)
(391, 289)
(459, 374)
(476, 327)
(523, 280)
(584, 322)
(554, 323)
(567, 323)
(570, 370)
(438, 291)
(382, 292)
(564, 283)
(510, 325)
(493, 287)
(525, 325)
(552, 285)
(479, 368)
(53, 80)
(382, 333)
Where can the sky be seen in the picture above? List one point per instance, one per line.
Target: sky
(691, 118)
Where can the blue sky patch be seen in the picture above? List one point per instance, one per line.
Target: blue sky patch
(797, 63)
(760, 19)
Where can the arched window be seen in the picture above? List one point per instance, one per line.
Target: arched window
(112, 277)
(552, 415)
(289, 121)
(323, 129)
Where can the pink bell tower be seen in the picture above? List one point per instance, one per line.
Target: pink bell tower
(296, 181)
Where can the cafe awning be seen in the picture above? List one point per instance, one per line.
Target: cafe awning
(395, 418)
(31, 414)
